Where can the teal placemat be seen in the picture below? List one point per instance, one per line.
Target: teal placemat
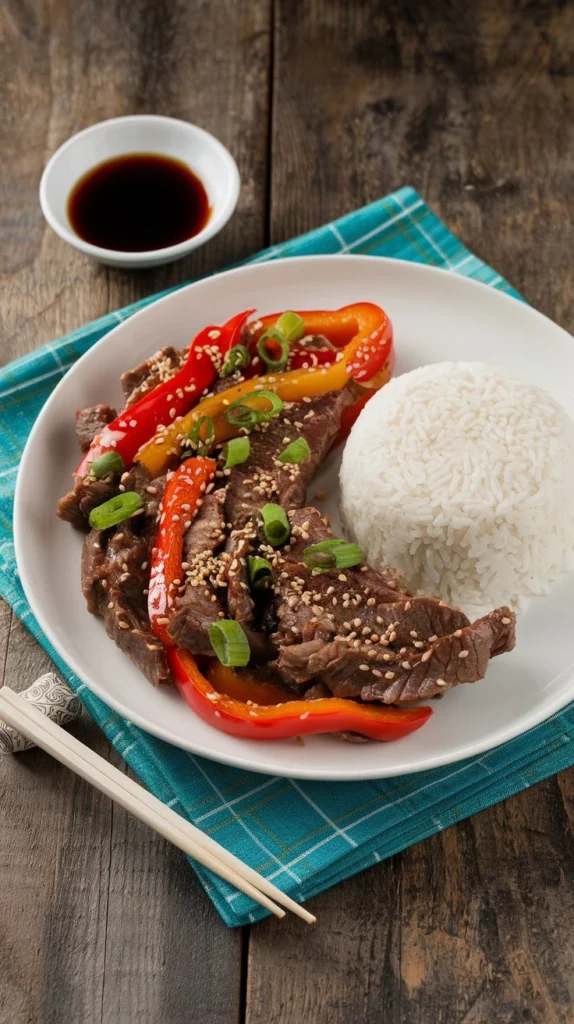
(305, 836)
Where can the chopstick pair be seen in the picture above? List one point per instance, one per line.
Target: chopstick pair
(21, 715)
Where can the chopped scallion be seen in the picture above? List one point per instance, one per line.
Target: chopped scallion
(203, 444)
(230, 643)
(236, 451)
(110, 462)
(273, 350)
(114, 511)
(237, 358)
(260, 572)
(242, 415)
(275, 525)
(291, 326)
(297, 451)
(332, 554)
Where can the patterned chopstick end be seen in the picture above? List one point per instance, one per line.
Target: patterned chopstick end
(53, 698)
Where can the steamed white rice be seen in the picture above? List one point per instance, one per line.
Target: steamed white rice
(463, 478)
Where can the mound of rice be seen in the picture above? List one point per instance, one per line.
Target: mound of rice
(463, 478)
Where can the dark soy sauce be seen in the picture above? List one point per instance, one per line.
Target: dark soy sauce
(138, 202)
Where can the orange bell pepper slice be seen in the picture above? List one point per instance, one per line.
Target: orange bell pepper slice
(292, 718)
(363, 333)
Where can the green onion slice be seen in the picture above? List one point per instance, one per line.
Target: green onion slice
(115, 510)
(267, 350)
(291, 326)
(297, 451)
(241, 415)
(236, 359)
(275, 525)
(110, 462)
(237, 451)
(203, 444)
(332, 554)
(260, 572)
(230, 643)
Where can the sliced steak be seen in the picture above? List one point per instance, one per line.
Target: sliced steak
(90, 422)
(93, 571)
(150, 489)
(199, 605)
(311, 604)
(262, 478)
(141, 646)
(153, 371)
(86, 494)
(357, 634)
(239, 601)
(115, 576)
(206, 532)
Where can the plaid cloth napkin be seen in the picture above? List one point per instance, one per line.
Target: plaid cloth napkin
(305, 836)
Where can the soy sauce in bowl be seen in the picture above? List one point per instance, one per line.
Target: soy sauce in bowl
(138, 202)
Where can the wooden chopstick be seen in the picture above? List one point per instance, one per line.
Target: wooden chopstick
(75, 755)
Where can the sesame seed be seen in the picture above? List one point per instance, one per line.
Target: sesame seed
(357, 623)
(371, 602)
(364, 668)
(414, 633)
(506, 622)
(433, 638)
(464, 654)
(440, 682)
(124, 625)
(389, 675)
(408, 606)
(405, 664)
(426, 656)
(376, 673)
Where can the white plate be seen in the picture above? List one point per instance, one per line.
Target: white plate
(437, 315)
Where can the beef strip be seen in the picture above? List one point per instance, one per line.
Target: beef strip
(115, 574)
(153, 371)
(90, 422)
(239, 601)
(150, 490)
(311, 605)
(199, 604)
(262, 479)
(356, 633)
(86, 494)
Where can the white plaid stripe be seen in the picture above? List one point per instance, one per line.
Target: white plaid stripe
(282, 868)
(322, 814)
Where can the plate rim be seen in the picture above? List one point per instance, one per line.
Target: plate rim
(524, 723)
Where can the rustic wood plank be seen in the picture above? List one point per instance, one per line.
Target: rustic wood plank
(472, 104)
(102, 921)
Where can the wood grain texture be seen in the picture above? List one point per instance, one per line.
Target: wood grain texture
(101, 922)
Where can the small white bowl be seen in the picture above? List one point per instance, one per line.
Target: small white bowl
(146, 133)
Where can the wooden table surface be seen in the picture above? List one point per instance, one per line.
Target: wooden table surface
(326, 105)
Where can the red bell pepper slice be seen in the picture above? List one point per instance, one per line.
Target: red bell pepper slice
(293, 718)
(182, 498)
(134, 427)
